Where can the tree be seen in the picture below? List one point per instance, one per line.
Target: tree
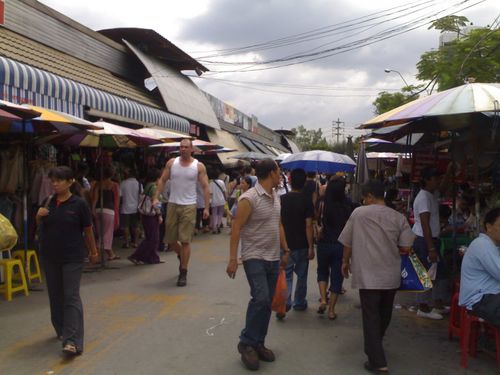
(449, 23)
(310, 139)
(476, 55)
(386, 101)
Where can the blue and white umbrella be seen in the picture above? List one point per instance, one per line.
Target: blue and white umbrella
(319, 161)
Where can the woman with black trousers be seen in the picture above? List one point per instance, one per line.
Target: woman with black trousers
(65, 234)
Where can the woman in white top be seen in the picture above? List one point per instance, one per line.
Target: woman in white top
(218, 200)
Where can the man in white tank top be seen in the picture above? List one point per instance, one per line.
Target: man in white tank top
(184, 173)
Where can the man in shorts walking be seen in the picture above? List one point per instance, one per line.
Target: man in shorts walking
(184, 173)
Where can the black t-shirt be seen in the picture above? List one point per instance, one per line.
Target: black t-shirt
(333, 226)
(295, 209)
(61, 232)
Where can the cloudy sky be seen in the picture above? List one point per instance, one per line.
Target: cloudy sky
(312, 90)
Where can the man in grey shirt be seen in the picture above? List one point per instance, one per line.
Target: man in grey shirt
(257, 224)
(373, 238)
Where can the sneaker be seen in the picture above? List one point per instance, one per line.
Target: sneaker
(433, 314)
(280, 316)
(249, 356)
(182, 280)
(445, 310)
(264, 353)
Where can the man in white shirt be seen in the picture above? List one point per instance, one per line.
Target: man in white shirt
(427, 243)
(184, 173)
(130, 189)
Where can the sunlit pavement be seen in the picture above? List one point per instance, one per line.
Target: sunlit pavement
(138, 322)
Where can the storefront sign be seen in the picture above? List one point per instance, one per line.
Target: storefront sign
(2, 11)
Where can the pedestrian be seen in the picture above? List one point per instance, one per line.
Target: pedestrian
(146, 252)
(105, 209)
(250, 172)
(218, 195)
(311, 188)
(130, 189)
(257, 224)
(373, 238)
(65, 231)
(427, 228)
(202, 225)
(184, 173)
(296, 215)
(334, 211)
(479, 282)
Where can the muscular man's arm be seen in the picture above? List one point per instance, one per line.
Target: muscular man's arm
(165, 176)
(203, 180)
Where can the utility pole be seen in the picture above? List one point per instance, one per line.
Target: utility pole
(336, 130)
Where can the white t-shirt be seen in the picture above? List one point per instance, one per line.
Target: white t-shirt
(426, 202)
(217, 195)
(129, 190)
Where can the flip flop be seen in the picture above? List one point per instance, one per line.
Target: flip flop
(115, 257)
(136, 262)
(332, 317)
(322, 308)
(375, 370)
(70, 349)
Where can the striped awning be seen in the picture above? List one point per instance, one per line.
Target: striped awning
(21, 83)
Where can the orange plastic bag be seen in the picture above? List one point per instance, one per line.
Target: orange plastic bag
(280, 294)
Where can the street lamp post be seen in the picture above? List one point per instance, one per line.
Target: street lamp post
(395, 71)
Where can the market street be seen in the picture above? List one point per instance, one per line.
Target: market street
(138, 321)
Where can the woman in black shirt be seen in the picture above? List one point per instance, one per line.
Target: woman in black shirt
(65, 230)
(333, 215)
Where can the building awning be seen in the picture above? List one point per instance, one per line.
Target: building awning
(262, 148)
(180, 94)
(226, 139)
(249, 145)
(23, 83)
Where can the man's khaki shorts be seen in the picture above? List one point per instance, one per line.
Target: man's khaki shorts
(180, 222)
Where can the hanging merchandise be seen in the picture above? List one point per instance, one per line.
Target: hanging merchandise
(9, 237)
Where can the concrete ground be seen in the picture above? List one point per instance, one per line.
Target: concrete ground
(138, 322)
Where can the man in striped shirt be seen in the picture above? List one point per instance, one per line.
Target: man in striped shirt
(257, 224)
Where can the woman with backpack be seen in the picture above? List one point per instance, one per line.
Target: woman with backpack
(333, 213)
(151, 220)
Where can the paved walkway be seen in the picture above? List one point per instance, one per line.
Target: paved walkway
(138, 322)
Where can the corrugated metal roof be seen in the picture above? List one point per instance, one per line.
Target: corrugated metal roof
(30, 52)
(225, 139)
(254, 137)
(180, 94)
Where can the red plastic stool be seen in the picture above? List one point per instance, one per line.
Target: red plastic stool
(470, 334)
(454, 324)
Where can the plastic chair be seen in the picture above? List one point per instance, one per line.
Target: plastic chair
(470, 334)
(9, 266)
(32, 265)
(454, 324)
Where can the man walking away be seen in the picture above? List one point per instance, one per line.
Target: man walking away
(258, 225)
(296, 215)
(184, 173)
(373, 239)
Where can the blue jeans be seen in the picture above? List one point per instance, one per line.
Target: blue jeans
(262, 276)
(330, 265)
(298, 262)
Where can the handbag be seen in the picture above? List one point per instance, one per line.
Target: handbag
(146, 207)
(9, 237)
(280, 294)
(414, 276)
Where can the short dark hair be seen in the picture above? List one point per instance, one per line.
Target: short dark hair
(427, 173)
(61, 173)
(298, 177)
(108, 171)
(247, 169)
(248, 180)
(153, 175)
(491, 216)
(373, 187)
(187, 139)
(264, 168)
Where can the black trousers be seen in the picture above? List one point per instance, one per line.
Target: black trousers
(488, 309)
(66, 310)
(376, 307)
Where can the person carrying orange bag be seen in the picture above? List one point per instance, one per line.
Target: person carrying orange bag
(280, 294)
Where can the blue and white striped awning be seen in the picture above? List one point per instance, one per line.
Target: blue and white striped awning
(21, 83)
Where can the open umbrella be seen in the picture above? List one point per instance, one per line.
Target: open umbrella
(163, 134)
(251, 156)
(319, 161)
(197, 143)
(282, 156)
(457, 102)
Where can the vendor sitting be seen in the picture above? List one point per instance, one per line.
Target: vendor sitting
(480, 280)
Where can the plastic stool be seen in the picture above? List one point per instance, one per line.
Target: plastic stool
(32, 264)
(454, 324)
(470, 335)
(8, 288)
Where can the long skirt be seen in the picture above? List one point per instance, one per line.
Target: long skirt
(147, 251)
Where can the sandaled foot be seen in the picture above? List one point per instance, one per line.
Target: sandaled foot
(375, 370)
(332, 315)
(135, 261)
(114, 257)
(322, 308)
(70, 349)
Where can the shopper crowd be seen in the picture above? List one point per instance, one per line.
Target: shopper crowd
(278, 221)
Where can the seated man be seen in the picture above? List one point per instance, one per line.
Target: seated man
(480, 279)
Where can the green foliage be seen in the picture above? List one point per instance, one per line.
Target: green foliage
(449, 23)
(477, 55)
(313, 139)
(386, 101)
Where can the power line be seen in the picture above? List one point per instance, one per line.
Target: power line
(336, 130)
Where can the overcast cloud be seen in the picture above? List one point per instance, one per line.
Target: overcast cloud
(207, 25)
